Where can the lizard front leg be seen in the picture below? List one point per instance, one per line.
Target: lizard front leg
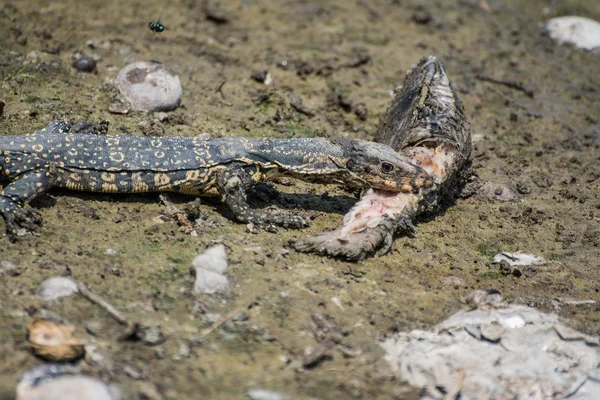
(232, 183)
(20, 220)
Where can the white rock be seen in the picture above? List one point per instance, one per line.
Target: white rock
(55, 288)
(210, 282)
(149, 86)
(111, 252)
(582, 32)
(507, 352)
(213, 259)
(62, 382)
(518, 259)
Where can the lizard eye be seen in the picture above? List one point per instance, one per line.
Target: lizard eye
(386, 167)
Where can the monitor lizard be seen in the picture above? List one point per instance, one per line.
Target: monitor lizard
(75, 159)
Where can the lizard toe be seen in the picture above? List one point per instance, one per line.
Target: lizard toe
(295, 222)
(22, 222)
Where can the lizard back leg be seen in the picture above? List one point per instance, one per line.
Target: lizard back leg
(232, 184)
(16, 194)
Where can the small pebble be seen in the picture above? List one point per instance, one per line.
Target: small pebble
(261, 76)
(55, 288)
(152, 335)
(262, 394)
(361, 111)
(118, 108)
(151, 128)
(149, 86)
(85, 64)
(483, 297)
(217, 15)
(9, 268)
(422, 17)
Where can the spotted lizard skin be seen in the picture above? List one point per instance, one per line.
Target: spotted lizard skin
(58, 156)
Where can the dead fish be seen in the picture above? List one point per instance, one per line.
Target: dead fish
(426, 122)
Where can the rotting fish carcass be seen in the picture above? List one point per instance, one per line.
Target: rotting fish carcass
(427, 123)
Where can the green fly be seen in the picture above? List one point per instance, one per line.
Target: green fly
(157, 27)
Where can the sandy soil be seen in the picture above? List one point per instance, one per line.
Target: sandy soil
(328, 53)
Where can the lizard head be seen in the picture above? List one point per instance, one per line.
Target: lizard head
(380, 167)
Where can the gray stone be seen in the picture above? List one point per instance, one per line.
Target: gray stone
(55, 288)
(504, 351)
(149, 86)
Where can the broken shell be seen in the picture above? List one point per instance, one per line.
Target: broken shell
(581, 32)
(53, 342)
(518, 259)
(62, 382)
(149, 86)
(55, 288)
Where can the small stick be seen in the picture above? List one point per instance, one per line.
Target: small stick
(220, 89)
(455, 391)
(95, 298)
(507, 83)
(218, 323)
(185, 225)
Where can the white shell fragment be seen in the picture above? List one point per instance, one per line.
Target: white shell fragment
(581, 32)
(518, 259)
(263, 394)
(210, 268)
(149, 86)
(213, 259)
(55, 288)
(62, 382)
(502, 352)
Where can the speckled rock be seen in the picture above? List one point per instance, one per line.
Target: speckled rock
(62, 382)
(55, 288)
(149, 86)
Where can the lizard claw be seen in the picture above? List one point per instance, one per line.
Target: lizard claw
(288, 221)
(23, 221)
(294, 221)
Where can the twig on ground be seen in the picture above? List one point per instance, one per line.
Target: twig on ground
(218, 323)
(511, 84)
(95, 298)
(220, 89)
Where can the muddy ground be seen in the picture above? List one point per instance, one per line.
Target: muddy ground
(329, 53)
